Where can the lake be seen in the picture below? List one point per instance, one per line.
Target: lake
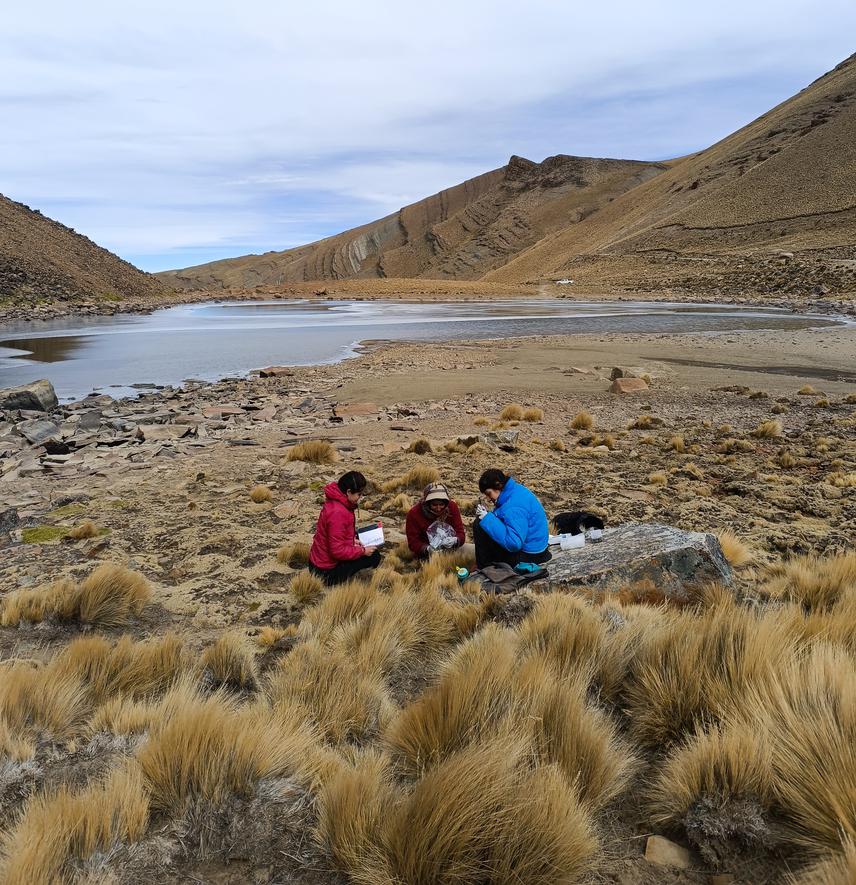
(210, 341)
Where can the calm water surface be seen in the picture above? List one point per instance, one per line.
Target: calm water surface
(215, 340)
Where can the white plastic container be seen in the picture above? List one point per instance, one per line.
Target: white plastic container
(571, 542)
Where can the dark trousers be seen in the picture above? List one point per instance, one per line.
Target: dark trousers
(346, 569)
(488, 550)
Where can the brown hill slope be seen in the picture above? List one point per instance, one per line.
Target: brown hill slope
(42, 260)
(784, 183)
(460, 233)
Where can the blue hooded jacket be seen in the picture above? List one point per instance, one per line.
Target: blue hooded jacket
(518, 521)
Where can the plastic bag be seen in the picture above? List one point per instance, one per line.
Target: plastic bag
(441, 536)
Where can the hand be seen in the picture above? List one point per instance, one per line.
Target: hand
(481, 511)
(369, 550)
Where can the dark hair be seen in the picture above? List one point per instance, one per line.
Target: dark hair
(492, 479)
(352, 481)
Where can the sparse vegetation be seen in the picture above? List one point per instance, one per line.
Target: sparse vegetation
(512, 412)
(736, 551)
(83, 530)
(229, 663)
(533, 414)
(261, 494)
(306, 587)
(582, 421)
(294, 554)
(315, 451)
(807, 390)
(415, 479)
(768, 429)
(420, 446)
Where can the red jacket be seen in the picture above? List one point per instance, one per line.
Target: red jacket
(418, 522)
(336, 532)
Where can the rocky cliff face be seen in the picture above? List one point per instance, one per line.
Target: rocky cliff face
(42, 260)
(459, 233)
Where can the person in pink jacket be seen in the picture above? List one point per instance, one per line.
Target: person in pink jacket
(336, 554)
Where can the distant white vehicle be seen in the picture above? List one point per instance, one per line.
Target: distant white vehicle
(564, 282)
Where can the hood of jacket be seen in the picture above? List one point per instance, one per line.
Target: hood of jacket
(332, 492)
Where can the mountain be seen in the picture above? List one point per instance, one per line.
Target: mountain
(461, 233)
(771, 209)
(42, 260)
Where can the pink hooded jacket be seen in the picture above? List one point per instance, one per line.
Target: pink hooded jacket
(336, 532)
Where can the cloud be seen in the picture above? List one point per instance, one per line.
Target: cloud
(162, 130)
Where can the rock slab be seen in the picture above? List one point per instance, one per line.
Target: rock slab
(628, 385)
(39, 396)
(665, 853)
(673, 559)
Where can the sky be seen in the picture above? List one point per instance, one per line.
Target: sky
(175, 133)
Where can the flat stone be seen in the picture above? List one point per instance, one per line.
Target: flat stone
(38, 430)
(8, 520)
(628, 385)
(221, 411)
(665, 853)
(275, 371)
(500, 439)
(674, 560)
(161, 432)
(39, 396)
(54, 446)
(350, 410)
(284, 511)
(268, 413)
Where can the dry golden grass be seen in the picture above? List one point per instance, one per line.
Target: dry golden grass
(768, 429)
(132, 669)
(230, 663)
(42, 699)
(658, 478)
(806, 390)
(779, 409)
(322, 682)
(512, 412)
(211, 749)
(817, 583)
(736, 551)
(415, 479)
(850, 399)
(822, 403)
(315, 451)
(13, 746)
(647, 440)
(558, 445)
(582, 421)
(401, 503)
(533, 414)
(835, 869)
(123, 715)
(294, 554)
(455, 447)
(645, 422)
(481, 421)
(106, 598)
(269, 636)
(56, 829)
(724, 763)
(786, 460)
(842, 480)
(306, 587)
(420, 446)
(342, 603)
(85, 529)
(677, 444)
(260, 494)
(481, 816)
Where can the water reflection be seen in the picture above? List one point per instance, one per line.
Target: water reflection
(42, 350)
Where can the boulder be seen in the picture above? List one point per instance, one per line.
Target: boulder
(628, 385)
(500, 439)
(8, 520)
(666, 853)
(275, 372)
(674, 560)
(39, 396)
(37, 431)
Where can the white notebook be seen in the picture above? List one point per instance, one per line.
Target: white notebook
(371, 535)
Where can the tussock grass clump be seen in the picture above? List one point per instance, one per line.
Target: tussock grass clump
(124, 715)
(13, 746)
(582, 421)
(210, 749)
(56, 829)
(85, 529)
(512, 412)
(269, 636)
(786, 460)
(816, 583)
(420, 446)
(735, 550)
(836, 869)
(677, 444)
(229, 663)
(315, 451)
(807, 390)
(645, 422)
(294, 554)
(481, 421)
(558, 445)
(842, 480)
(344, 602)
(132, 669)
(823, 403)
(42, 698)
(533, 414)
(658, 478)
(850, 399)
(306, 587)
(260, 494)
(106, 598)
(768, 429)
(401, 503)
(322, 683)
(415, 479)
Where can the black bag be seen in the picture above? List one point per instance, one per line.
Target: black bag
(500, 577)
(576, 522)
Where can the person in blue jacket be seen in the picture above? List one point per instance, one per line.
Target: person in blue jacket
(515, 531)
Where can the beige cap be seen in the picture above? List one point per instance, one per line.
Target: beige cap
(436, 491)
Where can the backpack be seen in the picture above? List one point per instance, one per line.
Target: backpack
(500, 577)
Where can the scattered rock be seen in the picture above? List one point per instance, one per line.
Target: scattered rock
(275, 372)
(37, 431)
(665, 853)
(351, 410)
(628, 385)
(221, 411)
(8, 520)
(674, 560)
(39, 396)
(500, 439)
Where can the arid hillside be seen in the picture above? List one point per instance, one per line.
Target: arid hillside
(42, 260)
(461, 233)
(769, 211)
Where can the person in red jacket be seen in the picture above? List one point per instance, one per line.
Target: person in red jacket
(434, 523)
(336, 554)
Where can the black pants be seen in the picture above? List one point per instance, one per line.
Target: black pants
(488, 550)
(346, 569)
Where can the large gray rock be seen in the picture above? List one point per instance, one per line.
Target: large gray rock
(674, 560)
(39, 396)
(38, 430)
